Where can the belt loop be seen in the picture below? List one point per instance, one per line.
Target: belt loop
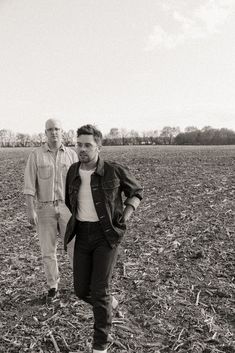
(55, 203)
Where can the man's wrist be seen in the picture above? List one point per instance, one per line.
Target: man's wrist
(128, 212)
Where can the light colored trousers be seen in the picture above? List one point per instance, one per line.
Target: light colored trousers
(52, 221)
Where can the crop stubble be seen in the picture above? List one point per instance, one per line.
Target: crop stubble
(175, 274)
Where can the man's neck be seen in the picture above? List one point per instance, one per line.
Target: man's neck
(88, 166)
(54, 146)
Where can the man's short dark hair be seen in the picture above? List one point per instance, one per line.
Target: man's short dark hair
(90, 130)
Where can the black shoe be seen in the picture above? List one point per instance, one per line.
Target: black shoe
(52, 293)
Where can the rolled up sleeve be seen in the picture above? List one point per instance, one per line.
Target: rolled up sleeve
(132, 189)
(30, 176)
(132, 201)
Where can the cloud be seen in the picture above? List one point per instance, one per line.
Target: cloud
(213, 14)
(205, 20)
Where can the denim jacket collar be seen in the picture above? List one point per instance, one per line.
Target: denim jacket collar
(99, 167)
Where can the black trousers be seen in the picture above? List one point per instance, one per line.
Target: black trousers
(94, 261)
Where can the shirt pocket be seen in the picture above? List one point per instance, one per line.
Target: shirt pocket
(44, 171)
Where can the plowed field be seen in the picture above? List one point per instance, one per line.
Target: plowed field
(175, 274)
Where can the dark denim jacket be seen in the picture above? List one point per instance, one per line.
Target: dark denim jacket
(108, 182)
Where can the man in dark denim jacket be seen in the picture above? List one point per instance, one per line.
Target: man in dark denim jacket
(94, 190)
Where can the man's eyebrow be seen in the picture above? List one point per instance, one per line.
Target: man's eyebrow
(85, 143)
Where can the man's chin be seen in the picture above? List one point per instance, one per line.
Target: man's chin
(83, 158)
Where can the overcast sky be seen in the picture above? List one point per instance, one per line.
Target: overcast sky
(134, 64)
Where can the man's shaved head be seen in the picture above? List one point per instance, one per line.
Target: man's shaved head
(53, 132)
(50, 123)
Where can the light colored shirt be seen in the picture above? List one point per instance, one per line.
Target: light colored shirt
(45, 172)
(86, 211)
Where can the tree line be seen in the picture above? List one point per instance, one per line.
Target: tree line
(167, 136)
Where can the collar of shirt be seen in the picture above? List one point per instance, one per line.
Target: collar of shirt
(99, 167)
(47, 148)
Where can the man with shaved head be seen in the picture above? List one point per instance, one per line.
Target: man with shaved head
(44, 187)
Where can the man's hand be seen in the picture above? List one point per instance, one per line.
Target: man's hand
(32, 217)
(31, 213)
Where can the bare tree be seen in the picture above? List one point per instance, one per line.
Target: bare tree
(207, 128)
(124, 134)
(150, 137)
(134, 137)
(7, 138)
(207, 136)
(115, 136)
(114, 132)
(190, 129)
(168, 134)
(23, 140)
(38, 139)
(69, 137)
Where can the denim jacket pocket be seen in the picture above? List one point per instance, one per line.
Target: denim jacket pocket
(110, 188)
(111, 184)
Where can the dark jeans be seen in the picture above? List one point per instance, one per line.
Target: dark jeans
(94, 261)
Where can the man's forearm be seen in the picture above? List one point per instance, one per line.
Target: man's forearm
(31, 212)
(29, 202)
(128, 210)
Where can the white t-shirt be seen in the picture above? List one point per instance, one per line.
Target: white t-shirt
(86, 211)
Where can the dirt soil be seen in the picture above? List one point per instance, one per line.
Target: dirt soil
(175, 274)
